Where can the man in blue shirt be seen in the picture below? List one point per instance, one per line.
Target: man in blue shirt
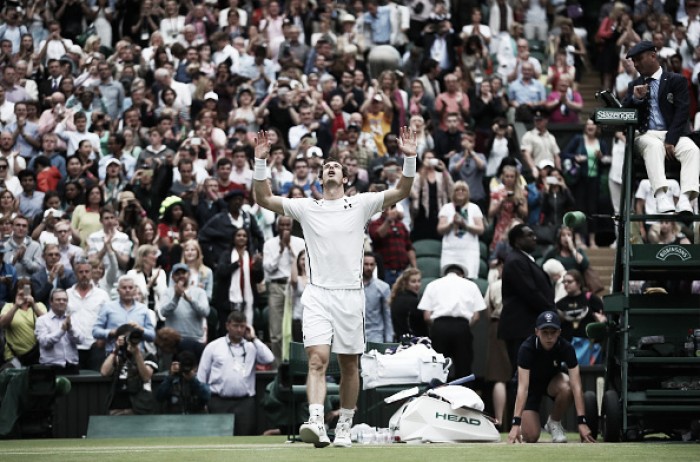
(31, 201)
(48, 145)
(58, 338)
(526, 94)
(378, 326)
(378, 19)
(8, 277)
(25, 133)
(126, 310)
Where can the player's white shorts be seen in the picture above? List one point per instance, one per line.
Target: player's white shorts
(334, 317)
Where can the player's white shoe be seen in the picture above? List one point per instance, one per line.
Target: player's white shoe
(314, 432)
(342, 435)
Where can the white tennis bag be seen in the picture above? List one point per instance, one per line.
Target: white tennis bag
(419, 363)
(448, 414)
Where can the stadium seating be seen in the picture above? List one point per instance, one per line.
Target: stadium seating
(429, 266)
(424, 282)
(428, 248)
(482, 283)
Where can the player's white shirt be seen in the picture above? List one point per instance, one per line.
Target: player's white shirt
(334, 236)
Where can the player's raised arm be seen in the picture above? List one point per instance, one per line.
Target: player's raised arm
(408, 146)
(263, 192)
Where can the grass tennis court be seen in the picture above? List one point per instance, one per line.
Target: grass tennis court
(263, 449)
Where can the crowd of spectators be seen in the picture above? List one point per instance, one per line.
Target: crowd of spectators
(126, 146)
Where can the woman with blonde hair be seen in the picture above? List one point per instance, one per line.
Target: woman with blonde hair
(200, 274)
(424, 140)
(508, 201)
(149, 278)
(405, 315)
(460, 224)
(9, 206)
(667, 232)
(18, 320)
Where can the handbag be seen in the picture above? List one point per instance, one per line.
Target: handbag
(29, 358)
(593, 282)
(419, 363)
(545, 234)
(587, 352)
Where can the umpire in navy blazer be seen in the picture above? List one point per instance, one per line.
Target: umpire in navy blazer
(527, 291)
(662, 99)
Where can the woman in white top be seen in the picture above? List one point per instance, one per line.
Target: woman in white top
(297, 282)
(460, 224)
(149, 278)
(101, 14)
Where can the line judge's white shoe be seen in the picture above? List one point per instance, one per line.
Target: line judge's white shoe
(342, 435)
(683, 205)
(313, 432)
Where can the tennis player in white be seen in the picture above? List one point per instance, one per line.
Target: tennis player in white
(334, 299)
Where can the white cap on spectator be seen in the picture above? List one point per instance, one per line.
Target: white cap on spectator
(544, 163)
(347, 17)
(314, 151)
(211, 95)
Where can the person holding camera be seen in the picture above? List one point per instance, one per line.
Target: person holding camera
(228, 366)
(181, 392)
(18, 321)
(131, 371)
(125, 310)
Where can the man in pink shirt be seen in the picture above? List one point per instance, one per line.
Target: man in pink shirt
(454, 100)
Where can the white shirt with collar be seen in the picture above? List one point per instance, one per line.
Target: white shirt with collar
(452, 296)
(279, 265)
(84, 311)
(229, 368)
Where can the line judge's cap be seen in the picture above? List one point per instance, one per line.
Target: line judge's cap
(641, 47)
(548, 319)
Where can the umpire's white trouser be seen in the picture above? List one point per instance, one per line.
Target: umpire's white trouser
(651, 146)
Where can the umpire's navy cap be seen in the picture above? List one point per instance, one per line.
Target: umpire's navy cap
(641, 47)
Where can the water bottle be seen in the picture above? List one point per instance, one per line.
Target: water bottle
(367, 436)
(689, 346)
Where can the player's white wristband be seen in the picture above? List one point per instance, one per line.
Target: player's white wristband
(409, 167)
(260, 172)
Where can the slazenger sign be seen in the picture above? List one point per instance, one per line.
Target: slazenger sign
(617, 116)
(673, 251)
